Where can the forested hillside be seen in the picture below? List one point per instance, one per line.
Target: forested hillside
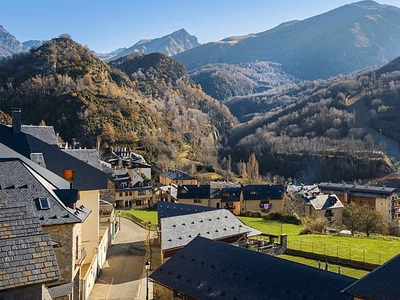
(222, 81)
(155, 109)
(311, 131)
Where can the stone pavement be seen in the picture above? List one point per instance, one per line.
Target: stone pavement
(123, 275)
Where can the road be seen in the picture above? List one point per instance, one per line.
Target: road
(121, 275)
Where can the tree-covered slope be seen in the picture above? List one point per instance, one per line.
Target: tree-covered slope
(62, 84)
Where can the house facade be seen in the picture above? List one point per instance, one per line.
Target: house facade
(382, 199)
(177, 177)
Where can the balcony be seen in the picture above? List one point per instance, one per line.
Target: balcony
(81, 257)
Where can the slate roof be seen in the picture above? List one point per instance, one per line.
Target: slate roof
(44, 133)
(231, 194)
(323, 202)
(26, 253)
(174, 190)
(216, 224)
(193, 191)
(177, 175)
(22, 186)
(172, 209)
(381, 284)
(263, 192)
(89, 156)
(207, 269)
(86, 177)
(357, 190)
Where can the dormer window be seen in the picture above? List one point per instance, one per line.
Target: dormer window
(253, 192)
(44, 203)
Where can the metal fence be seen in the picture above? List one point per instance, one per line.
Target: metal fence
(340, 252)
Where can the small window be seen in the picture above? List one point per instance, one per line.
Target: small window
(120, 194)
(44, 203)
(197, 201)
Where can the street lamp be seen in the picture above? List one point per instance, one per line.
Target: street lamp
(147, 266)
(119, 222)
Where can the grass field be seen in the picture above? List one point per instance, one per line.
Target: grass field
(355, 273)
(377, 249)
(142, 216)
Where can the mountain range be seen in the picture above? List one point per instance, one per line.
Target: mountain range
(346, 39)
(171, 44)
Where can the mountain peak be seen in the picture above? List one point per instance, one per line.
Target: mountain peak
(170, 44)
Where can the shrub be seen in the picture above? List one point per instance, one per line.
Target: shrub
(315, 225)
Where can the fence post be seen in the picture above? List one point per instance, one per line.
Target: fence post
(324, 250)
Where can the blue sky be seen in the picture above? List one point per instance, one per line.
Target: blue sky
(104, 26)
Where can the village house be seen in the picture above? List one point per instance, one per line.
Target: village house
(51, 199)
(177, 177)
(382, 199)
(82, 176)
(324, 206)
(27, 259)
(168, 193)
(207, 269)
(263, 198)
(216, 224)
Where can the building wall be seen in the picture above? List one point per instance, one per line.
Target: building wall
(103, 247)
(90, 227)
(67, 235)
(160, 292)
(89, 278)
(199, 202)
(215, 203)
(109, 193)
(383, 205)
(337, 213)
(254, 205)
(123, 198)
(168, 181)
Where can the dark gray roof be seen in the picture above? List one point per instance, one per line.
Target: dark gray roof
(357, 190)
(321, 202)
(22, 186)
(177, 175)
(172, 209)
(86, 177)
(216, 224)
(89, 156)
(207, 269)
(44, 133)
(229, 194)
(263, 192)
(26, 255)
(193, 191)
(381, 284)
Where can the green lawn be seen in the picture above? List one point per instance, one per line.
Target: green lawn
(142, 216)
(375, 250)
(355, 273)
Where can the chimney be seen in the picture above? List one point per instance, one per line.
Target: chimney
(16, 119)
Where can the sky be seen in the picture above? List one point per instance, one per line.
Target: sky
(104, 26)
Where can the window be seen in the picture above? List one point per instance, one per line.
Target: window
(126, 193)
(44, 203)
(120, 194)
(197, 201)
(130, 193)
(142, 193)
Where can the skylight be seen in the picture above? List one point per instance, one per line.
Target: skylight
(44, 203)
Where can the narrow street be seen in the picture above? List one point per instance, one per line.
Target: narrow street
(121, 275)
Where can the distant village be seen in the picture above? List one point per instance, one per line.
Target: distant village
(60, 211)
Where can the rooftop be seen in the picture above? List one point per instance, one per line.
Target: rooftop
(207, 269)
(26, 255)
(216, 224)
